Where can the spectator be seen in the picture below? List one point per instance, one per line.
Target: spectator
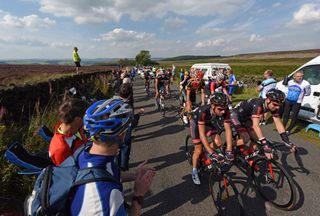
(107, 122)
(267, 84)
(232, 82)
(173, 72)
(297, 89)
(125, 94)
(69, 134)
(76, 59)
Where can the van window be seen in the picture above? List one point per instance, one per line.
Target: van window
(204, 70)
(312, 74)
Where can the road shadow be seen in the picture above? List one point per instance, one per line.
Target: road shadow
(167, 160)
(283, 154)
(174, 197)
(172, 129)
(161, 122)
(253, 203)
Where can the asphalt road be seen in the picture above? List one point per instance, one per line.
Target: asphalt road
(160, 140)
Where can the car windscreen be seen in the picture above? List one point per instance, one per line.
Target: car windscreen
(312, 74)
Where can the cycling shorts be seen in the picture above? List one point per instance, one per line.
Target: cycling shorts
(240, 126)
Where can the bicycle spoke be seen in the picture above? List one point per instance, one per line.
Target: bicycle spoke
(274, 183)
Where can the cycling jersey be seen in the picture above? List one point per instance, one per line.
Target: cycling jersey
(64, 145)
(146, 76)
(267, 85)
(98, 198)
(244, 111)
(232, 79)
(296, 91)
(214, 86)
(162, 80)
(194, 85)
(213, 124)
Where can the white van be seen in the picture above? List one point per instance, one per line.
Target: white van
(310, 107)
(209, 69)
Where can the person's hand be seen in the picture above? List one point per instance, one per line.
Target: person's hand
(293, 147)
(143, 182)
(157, 95)
(267, 151)
(142, 168)
(141, 111)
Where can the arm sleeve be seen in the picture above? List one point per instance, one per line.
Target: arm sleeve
(256, 111)
(212, 86)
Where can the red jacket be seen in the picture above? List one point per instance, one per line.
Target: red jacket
(64, 145)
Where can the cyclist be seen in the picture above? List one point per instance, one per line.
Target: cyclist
(211, 120)
(246, 118)
(194, 84)
(161, 80)
(219, 84)
(147, 78)
(107, 121)
(167, 83)
(183, 83)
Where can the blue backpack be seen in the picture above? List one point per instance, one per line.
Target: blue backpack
(55, 186)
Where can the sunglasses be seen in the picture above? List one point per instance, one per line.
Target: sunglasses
(221, 109)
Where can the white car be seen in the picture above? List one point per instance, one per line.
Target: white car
(310, 107)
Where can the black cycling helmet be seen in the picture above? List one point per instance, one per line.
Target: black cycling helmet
(276, 96)
(219, 99)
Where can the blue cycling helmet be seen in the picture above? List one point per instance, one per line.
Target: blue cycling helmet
(106, 119)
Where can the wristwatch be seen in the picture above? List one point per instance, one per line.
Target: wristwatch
(139, 199)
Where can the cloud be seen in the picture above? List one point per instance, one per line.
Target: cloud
(22, 41)
(173, 23)
(255, 38)
(32, 21)
(210, 43)
(277, 4)
(119, 36)
(99, 11)
(308, 13)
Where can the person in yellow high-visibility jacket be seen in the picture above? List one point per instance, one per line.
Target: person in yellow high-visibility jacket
(76, 59)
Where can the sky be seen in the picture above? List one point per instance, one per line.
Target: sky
(167, 28)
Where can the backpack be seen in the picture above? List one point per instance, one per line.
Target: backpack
(55, 186)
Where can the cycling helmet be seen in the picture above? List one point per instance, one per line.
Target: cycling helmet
(219, 99)
(106, 119)
(276, 96)
(199, 74)
(220, 76)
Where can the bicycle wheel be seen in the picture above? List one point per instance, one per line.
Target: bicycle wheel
(189, 148)
(274, 183)
(225, 195)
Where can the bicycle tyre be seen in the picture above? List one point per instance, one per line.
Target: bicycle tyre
(189, 148)
(264, 183)
(225, 195)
